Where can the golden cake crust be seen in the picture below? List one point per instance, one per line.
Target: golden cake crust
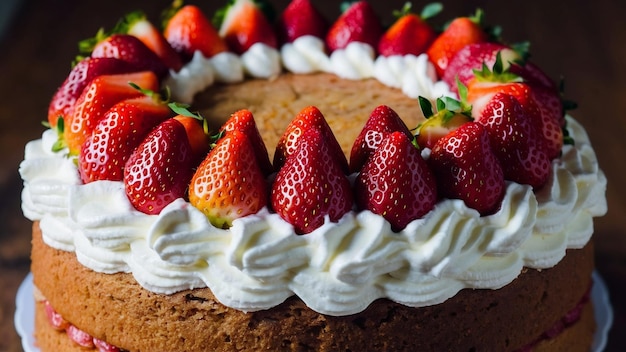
(116, 309)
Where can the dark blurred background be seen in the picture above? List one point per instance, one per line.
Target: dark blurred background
(582, 41)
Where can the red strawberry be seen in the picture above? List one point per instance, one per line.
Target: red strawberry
(103, 346)
(97, 98)
(466, 168)
(125, 47)
(382, 121)
(451, 114)
(243, 24)
(471, 57)
(159, 170)
(459, 33)
(243, 121)
(311, 185)
(119, 132)
(55, 319)
(515, 142)
(189, 30)
(79, 336)
(396, 182)
(80, 76)
(137, 24)
(309, 117)
(298, 19)
(229, 184)
(358, 23)
(410, 34)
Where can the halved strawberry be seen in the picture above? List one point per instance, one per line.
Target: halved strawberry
(79, 77)
(137, 24)
(358, 23)
(243, 121)
(309, 117)
(451, 114)
(119, 132)
(188, 30)
(459, 33)
(311, 185)
(97, 98)
(466, 168)
(159, 170)
(229, 183)
(382, 121)
(411, 33)
(300, 18)
(396, 182)
(242, 23)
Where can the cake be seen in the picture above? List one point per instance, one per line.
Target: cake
(182, 227)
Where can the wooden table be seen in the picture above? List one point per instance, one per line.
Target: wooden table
(583, 41)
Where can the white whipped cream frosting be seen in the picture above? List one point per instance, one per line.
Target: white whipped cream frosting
(340, 268)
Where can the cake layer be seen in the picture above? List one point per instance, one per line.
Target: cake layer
(114, 308)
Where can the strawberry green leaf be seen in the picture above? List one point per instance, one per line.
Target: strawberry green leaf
(431, 10)
(183, 109)
(426, 106)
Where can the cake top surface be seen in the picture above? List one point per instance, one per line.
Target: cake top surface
(346, 209)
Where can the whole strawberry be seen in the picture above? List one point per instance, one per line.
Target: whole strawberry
(396, 182)
(311, 185)
(229, 183)
(515, 142)
(160, 169)
(382, 121)
(300, 18)
(242, 23)
(450, 115)
(411, 33)
(466, 168)
(358, 23)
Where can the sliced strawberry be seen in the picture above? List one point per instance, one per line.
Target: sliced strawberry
(451, 114)
(125, 47)
(229, 183)
(300, 18)
(382, 121)
(515, 142)
(309, 117)
(97, 98)
(55, 319)
(137, 24)
(411, 33)
(79, 336)
(243, 121)
(243, 24)
(311, 185)
(103, 346)
(119, 132)
(396, 182)
(358, 23)
(160, 169)
(80, 76)
(459, 33)
(466, 168)
(189, 30)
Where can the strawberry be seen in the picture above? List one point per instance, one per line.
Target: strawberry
(242, 23)
(80, 76)
(300, 18)
(54, 318)
(487, 83)
(137, 24)
(79, 336)
(358, 23)
(160, 168)
(188, 30)
(119, 132)
(97, 98)
(411, 33)
(309, 117)
(124, 47)
(243, 121)
(515, 142)
(229, 183)
(451, 114)
(466, 168)
(311, 185)
(471, 57)
(396, 182)
(382, 121)
(103, 346)
(459, 33)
